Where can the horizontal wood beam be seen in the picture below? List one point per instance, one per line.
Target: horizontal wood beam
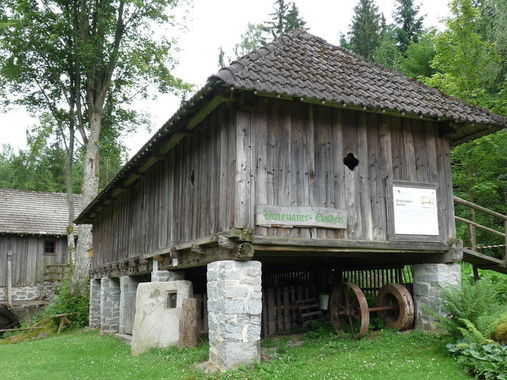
(352, 245)
(479, 208)
(205, 110)
(131, 179)
(491, 230)
(482, 261)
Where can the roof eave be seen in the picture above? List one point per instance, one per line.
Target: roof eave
(180, 125)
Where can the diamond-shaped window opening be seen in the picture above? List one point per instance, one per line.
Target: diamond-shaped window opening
(350, 161)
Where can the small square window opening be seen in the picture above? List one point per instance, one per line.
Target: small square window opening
(171, 299)
(49, 247)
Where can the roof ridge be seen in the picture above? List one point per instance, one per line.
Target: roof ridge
(251, 57)
(35, 191)
(229, 74)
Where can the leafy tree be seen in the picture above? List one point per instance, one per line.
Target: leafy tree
(365, 31)
(252, 39)
(78, 59)
(466, 64)
(418, 57)
(409, 26)
(30, 170)
(387, 53)
(469, 66)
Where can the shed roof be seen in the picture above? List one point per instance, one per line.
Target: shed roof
(303, 66)
(34, 212)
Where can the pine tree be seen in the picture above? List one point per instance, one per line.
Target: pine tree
(276, 26)
(284, 19)
(409, 25)
(365, 30)
(293, 20)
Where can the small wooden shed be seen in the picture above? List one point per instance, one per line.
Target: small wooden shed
(302, 156)
(33, 246)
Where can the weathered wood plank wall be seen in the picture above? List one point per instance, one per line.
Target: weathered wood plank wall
(187, 195)
(277, 152)
(292, 155)
(28, 259)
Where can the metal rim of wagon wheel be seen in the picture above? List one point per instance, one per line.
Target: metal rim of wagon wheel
(395, 306)
(348, 308)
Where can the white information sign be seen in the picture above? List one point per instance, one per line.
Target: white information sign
(415, 211)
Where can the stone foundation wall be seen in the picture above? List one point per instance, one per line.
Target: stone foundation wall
(44, 291)
(94, 316)
(128, 289)
(234, 312)
(109, 305)
(429, 279)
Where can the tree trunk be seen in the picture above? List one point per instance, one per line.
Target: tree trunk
(89, 191)
(69, 184)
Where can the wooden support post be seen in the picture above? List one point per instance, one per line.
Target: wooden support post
(9, 279)
(189, 331)
(473, 245)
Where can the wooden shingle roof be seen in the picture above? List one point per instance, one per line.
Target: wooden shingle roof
(34, 212)
(302, 65)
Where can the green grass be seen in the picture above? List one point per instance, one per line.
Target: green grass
(322, 355)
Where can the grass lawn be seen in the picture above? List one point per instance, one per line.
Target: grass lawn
(317, 355)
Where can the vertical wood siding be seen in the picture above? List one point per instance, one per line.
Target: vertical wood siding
(28, 259)
(284, 153)
(292, 155)
(188, 195)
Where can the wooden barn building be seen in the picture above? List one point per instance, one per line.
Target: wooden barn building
(33, 249)
(300, 171)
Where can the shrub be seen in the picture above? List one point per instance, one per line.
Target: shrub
(69, 299)
(500, 333)
(485, 361)
(472, 311)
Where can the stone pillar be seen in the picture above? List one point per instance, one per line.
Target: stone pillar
(234, 312)
(109, 305)
(429, 279)
(94, 317)
(128, 289)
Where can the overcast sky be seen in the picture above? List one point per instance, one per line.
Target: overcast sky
(219, 23)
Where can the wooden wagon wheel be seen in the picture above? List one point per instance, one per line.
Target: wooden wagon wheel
(348, 309)
(395, 306)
